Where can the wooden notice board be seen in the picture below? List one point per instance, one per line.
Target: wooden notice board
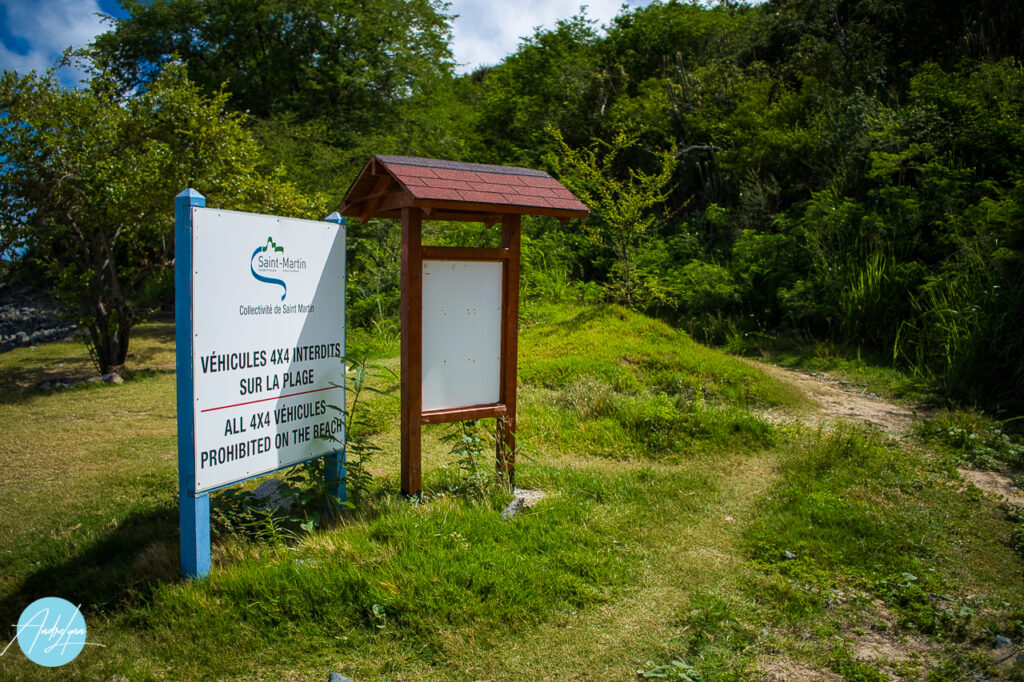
(460, 305)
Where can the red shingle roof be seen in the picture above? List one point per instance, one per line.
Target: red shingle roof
(453, 190)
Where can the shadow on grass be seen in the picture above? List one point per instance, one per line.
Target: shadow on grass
(119, 570)
(590, 314)
(153, 345)
(159, 337)
(18, 384)
(13, 393)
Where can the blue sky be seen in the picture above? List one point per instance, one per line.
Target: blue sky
(33, 33)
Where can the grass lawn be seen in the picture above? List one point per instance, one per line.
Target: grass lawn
(680, 535)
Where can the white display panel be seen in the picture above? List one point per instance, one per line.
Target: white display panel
(461, 333)
(268, 316)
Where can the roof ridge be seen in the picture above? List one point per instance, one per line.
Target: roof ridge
(459, 165)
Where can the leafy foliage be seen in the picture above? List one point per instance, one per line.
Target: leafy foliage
(359, 449)
(852, 180)
(974, 440)
(471, 447)
(678, 669)
(620, 197)
(347, 61)
(88, 180)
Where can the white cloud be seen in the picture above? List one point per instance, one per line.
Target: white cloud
(487, 30)
(48, 27)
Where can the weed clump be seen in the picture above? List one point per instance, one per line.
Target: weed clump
(973, 439)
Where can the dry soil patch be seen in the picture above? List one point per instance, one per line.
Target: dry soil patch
(998, 485)
(839, 400)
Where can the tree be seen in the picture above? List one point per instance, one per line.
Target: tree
(88, 179)
(348, 61)
(620, 197)
(553, 79)
(874, 45)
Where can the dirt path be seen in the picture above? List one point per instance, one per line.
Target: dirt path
(839, 400)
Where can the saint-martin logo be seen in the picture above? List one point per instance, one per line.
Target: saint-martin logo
(269, 262)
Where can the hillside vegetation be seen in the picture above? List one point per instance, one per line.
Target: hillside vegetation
(795, 172)
(679, 531)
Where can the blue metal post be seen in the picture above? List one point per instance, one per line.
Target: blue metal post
(193, 510)
(334, 463)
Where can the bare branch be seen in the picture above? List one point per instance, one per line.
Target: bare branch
(698, 148)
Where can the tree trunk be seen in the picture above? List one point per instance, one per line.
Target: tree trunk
(109, 330)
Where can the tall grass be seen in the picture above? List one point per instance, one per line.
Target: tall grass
(966, 337)
(868, 304)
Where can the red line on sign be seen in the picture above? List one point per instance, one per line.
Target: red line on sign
(263, 400)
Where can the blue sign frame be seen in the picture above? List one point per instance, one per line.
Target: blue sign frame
(193, 507)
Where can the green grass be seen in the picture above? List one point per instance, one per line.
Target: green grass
(619, 385)
(90, 473)
(669, 509)
(891, 531)
(636, 354)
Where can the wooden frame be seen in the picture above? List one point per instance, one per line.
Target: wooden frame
(413, 254)
(511, 227)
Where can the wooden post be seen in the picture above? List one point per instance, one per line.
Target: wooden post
(412, 348)
(510, 238)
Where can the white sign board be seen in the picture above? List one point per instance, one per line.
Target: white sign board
(461, 333)
(268, 316)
